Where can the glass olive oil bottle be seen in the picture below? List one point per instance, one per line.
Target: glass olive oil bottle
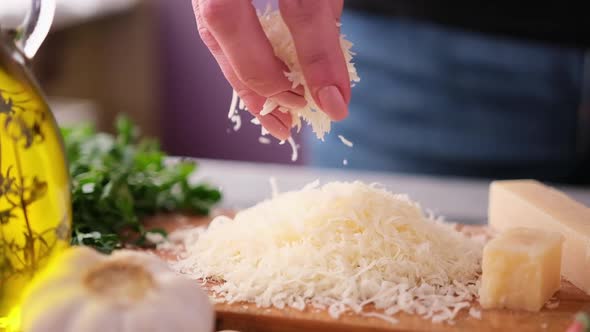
(35, 206)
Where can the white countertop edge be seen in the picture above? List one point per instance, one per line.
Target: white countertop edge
(457, 199)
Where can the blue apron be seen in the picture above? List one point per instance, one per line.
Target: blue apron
(440, 101)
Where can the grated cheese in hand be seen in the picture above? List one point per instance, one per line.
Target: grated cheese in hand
(281, 40)
(339, 247)
(284, 48)
(268, 107)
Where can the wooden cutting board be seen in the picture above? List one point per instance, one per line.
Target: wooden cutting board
(248, 318)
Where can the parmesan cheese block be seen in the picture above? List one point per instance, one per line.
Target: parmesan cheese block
(528, 203)
(521, 269)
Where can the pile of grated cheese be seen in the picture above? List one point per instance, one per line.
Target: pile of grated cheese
(283, 46)
(342, 247)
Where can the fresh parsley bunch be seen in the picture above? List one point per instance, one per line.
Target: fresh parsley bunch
(119, 180)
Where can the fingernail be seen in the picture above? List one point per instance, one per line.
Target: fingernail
(332, 102)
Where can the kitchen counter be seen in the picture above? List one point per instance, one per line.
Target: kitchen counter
(456, 199)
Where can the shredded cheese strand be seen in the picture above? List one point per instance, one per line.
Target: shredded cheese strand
(345, 141)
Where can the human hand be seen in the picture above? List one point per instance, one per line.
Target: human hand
(232, 32)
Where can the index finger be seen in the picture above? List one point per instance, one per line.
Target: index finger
(277, 123)
(236, 27)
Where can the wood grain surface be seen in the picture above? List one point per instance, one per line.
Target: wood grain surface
(247, 317)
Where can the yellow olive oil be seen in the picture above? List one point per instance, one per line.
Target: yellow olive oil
(35, 204)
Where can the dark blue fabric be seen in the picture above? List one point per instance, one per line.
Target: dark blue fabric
(439, 101)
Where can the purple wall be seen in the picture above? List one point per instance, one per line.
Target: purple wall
(196, 97)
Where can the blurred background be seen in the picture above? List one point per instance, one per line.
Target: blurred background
(445, 102)
(143, 58)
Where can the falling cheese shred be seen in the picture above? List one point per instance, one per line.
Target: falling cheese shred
(345, 141)
(340, 247)
(233, 115)
(294, 148)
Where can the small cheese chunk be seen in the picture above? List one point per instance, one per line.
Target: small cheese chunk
(521, 269)
(528, 203)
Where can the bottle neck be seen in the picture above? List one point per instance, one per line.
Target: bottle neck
(9, 50)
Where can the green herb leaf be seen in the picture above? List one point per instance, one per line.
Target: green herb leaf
(119, 180)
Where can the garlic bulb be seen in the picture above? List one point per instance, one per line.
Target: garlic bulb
(128, 291)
